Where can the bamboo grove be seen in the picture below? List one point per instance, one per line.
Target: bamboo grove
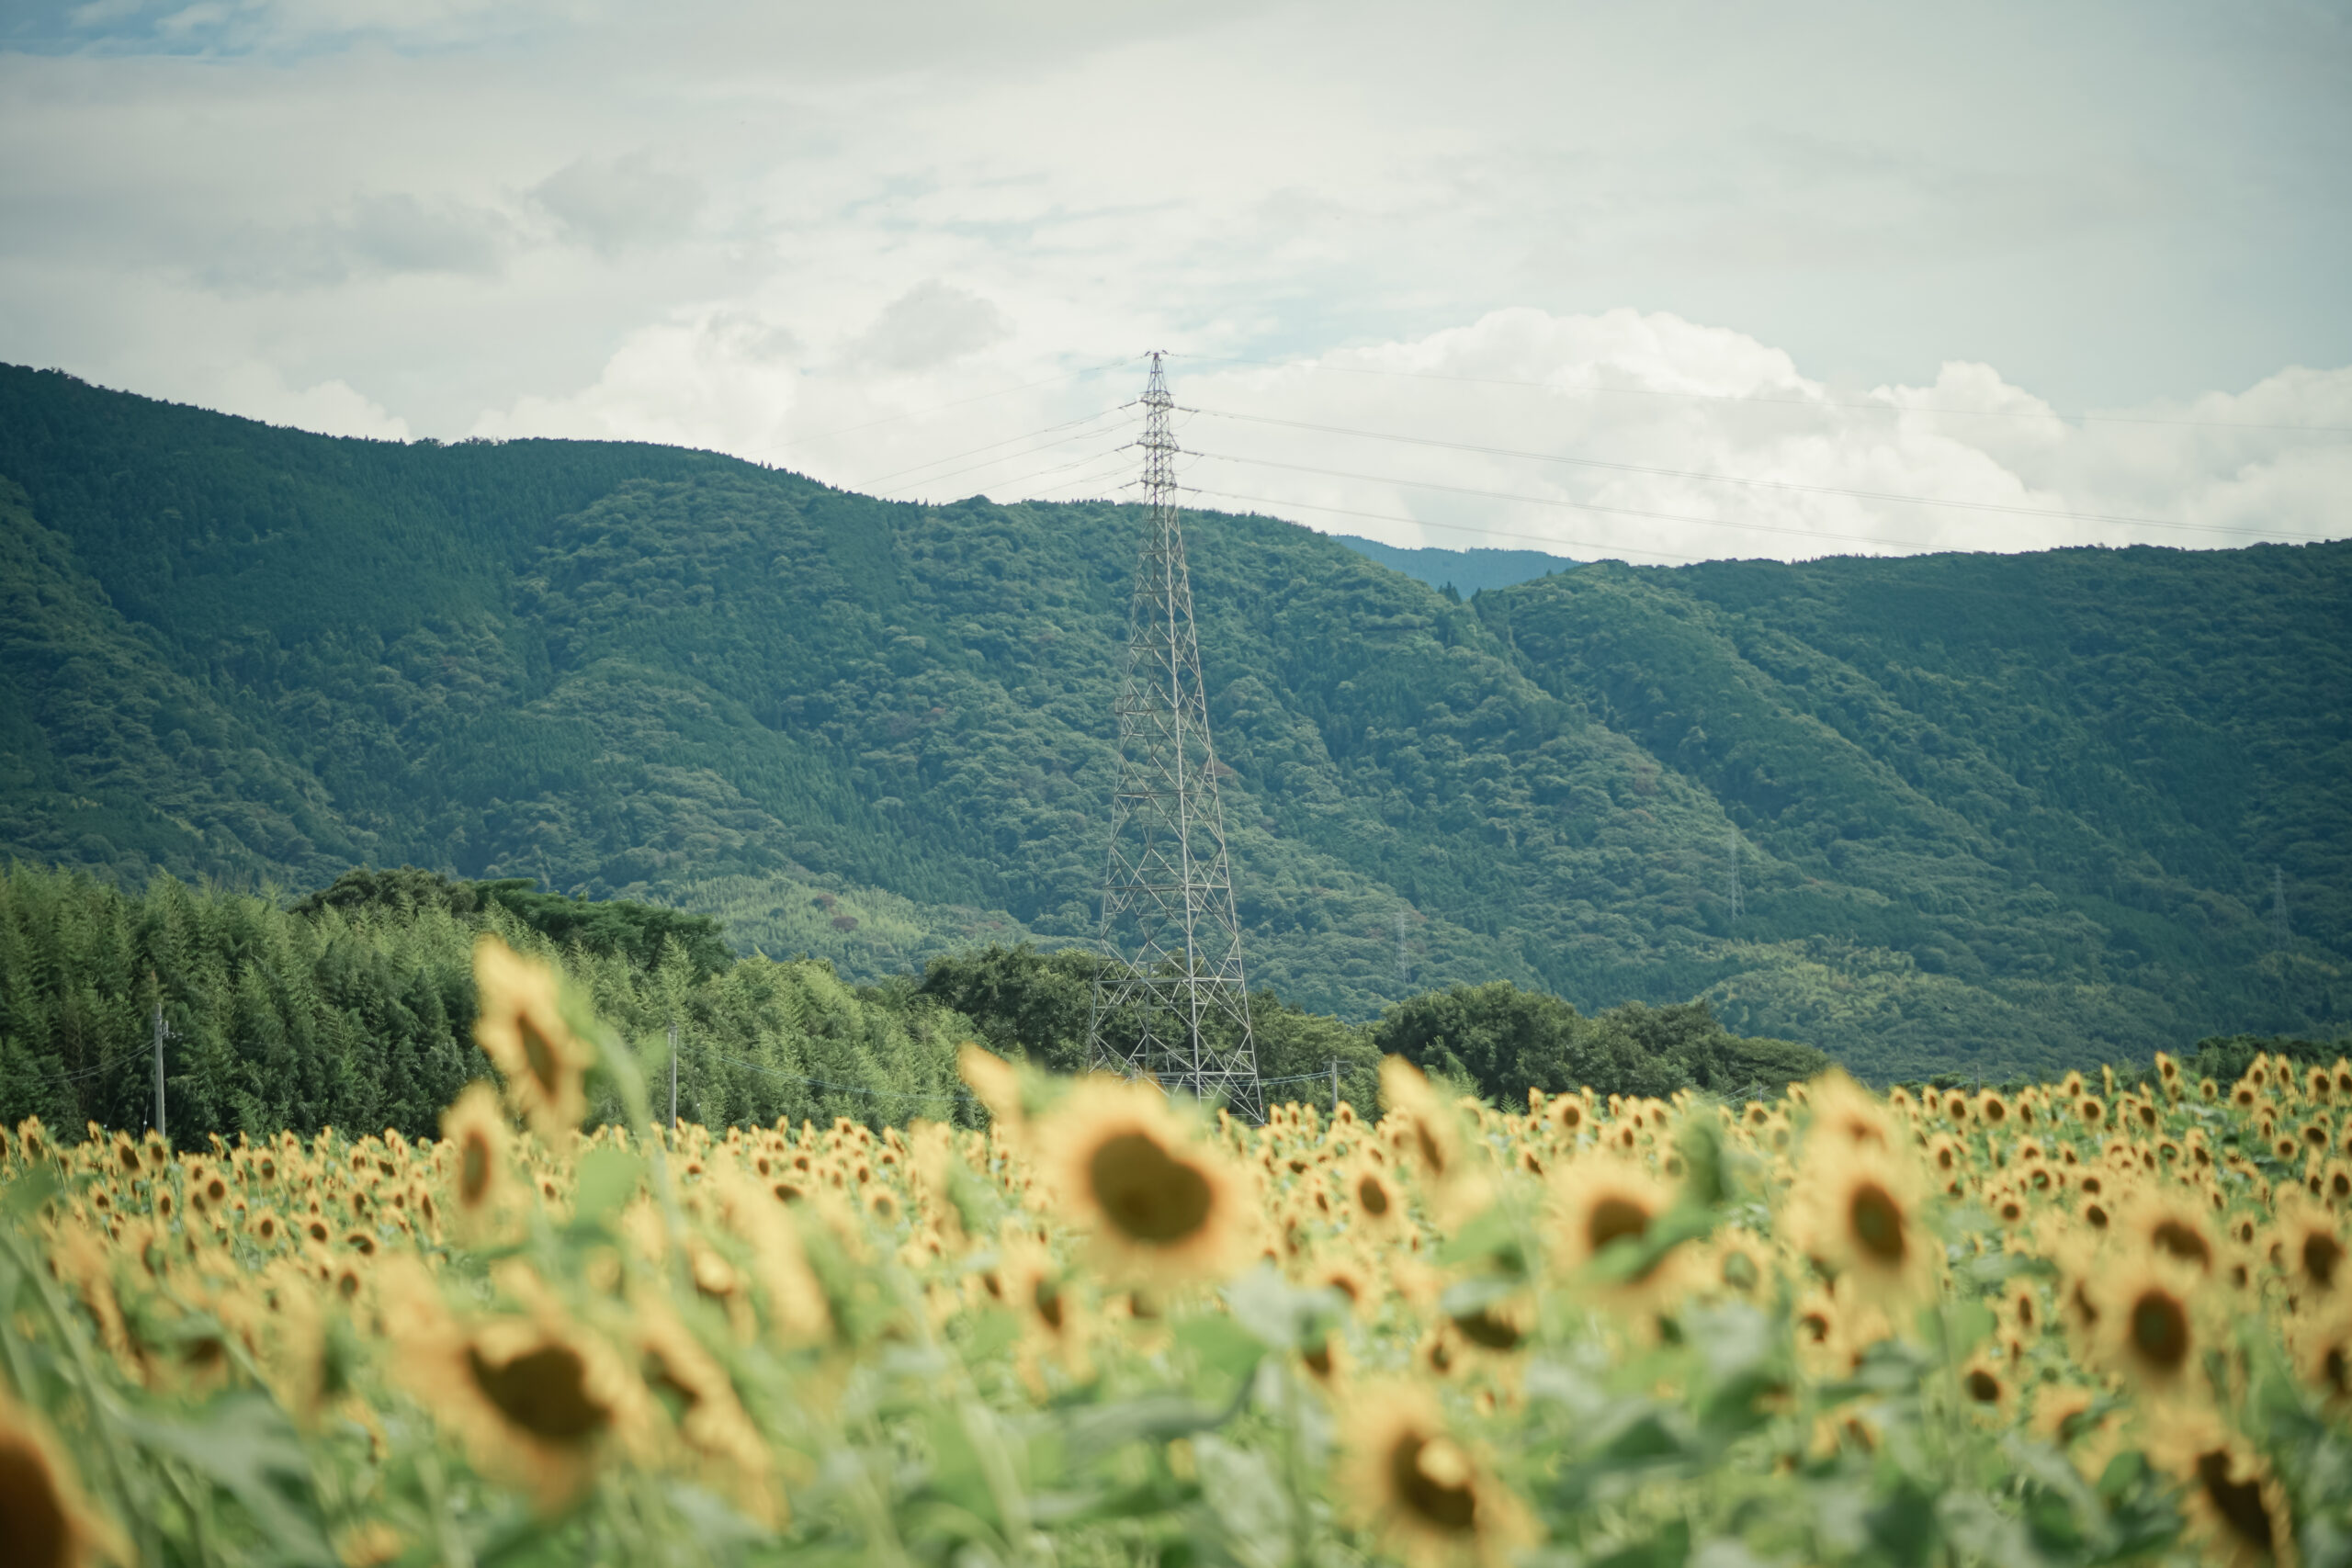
(2089, 1322)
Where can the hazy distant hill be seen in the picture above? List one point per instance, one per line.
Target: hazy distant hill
(1993, 812)
(1468, 572)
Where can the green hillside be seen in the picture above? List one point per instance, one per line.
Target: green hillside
(1996, 814)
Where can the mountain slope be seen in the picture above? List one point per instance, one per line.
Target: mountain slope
(1994, 814)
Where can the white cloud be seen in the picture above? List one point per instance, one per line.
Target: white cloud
(813, 233)
(613, 204)
(929, 325)
(331, 408)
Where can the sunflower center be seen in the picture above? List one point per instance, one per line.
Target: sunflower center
(1483, 1327)
(1982, 1386)
(2238, 1502)
(1432, 1480)
(1047, 1297)
(540, 1057)
(30, 1511)
(2336, 1366)
(1372, 1196)
(1614, 1219)
(2321, 1254)
(1148, 1196)
(2184, 1243)
(544, 1392)
(2160, 1329)
(1876, 1220)
(1433, 1152)
(473, 1170)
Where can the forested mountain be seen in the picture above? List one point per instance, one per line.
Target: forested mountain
(1467, 572)
(1994, 813)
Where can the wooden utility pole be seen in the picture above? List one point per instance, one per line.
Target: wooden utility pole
(161, 1131)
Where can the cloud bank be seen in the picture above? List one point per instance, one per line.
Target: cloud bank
(1781, 269)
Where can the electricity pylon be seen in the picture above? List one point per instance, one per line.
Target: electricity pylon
(1170, 1002)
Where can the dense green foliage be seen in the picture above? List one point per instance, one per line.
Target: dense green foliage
(1994, 814)
(360, 1016)
(1505, 1041)
(614, 927)
(354, 1009)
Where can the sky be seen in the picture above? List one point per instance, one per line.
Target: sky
(1660, 281)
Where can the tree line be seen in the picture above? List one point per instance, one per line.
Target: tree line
(353, 1006)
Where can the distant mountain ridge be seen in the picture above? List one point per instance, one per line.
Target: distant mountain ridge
(1993, 814)
(1468, 572)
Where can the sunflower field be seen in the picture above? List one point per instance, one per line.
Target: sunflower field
(2091, 1322)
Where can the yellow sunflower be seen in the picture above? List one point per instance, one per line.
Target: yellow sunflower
(1411, 1484)
(2323, 1350)
(1427, 1128)
(1603, 1200)
(2310, 1248)
(1375, 1201)
(2153, 1222)
(687, 1381)
(2237, 1510)
(1843, 1110)
(1858, 1211)
(1163, 1202)
(475, 1129)
(523, 1028)
(46, 1520)
(2151, 1328)
(537, 1400)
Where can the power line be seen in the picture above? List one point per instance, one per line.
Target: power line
(1787, 402)
(991, 445)
(986, 462)
(1760, 484)
(1571, 505)
(975, 397)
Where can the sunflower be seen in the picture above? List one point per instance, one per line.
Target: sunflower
(536, 1399)
(45, 1518)
(2310, 1250)
(1161, 1202)
(2323, 1350)
(1984, 1384)
(2150, 1324)
(1842, 1109)
(2160, 1225)
(2237, 1510)
(1375, 1200)
(688, 1383)
(996, 1083)
(1362, 1287)
(1603, 1200)
(1410, 1482)
(523, 1029)
(1427, 1128)
(1858, 1213)
(1570, 1114)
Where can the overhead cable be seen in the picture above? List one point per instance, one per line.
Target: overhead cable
(1008, 441)
(1759, 484)
(975, 397)
(1787, 402)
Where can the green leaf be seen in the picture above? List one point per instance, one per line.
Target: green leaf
(246, 1447)
(1222, 1344)
(608, 1179)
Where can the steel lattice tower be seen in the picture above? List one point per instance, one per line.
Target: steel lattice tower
(1170, 1002)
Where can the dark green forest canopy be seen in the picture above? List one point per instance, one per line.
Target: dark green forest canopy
(1993, 815)
(354, 1009)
